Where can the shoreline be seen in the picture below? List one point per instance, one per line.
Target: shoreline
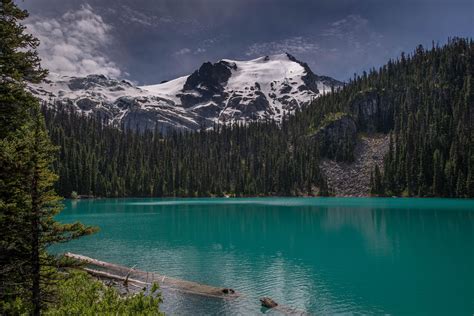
(133, 281)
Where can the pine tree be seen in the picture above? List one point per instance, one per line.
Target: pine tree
(19, 61)
(44, 230)
(377, 187)
(27, 202)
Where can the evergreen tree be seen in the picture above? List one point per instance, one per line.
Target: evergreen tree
(19, 61)
(27, 203)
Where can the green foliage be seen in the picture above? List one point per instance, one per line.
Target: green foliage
(426, 102)
(28, 206)
(79, 294)
(18, 57)
(19, 62)
(433, 136)
(74, 195)
(260, 159)
(376, 184)
(16, 306)
(337, 141)
(27, 202)
(330, 118)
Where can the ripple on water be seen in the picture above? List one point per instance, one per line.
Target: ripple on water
(325, 256)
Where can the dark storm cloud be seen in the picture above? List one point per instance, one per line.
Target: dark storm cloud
(154, 40)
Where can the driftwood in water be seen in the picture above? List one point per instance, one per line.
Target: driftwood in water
(106, 275)
(228, 291)
(127, 275)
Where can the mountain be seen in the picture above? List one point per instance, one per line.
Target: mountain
(227, 91)
(402, 130)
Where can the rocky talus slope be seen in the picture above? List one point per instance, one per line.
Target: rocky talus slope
(353, 179)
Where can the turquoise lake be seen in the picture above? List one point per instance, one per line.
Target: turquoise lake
(319, 255)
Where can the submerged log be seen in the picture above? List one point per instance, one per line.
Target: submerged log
(126, 275)
(228, 291)
(125, 278)
(268, 302)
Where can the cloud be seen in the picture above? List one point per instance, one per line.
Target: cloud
(129, 15)
(74, 43)
(291, 45)
(345, 46)
(200, 50)
(187, 51)
(353, 30)
(183, 51)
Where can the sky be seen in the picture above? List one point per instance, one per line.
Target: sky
(148, 41)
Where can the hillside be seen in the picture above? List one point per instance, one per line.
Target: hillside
(425, 103)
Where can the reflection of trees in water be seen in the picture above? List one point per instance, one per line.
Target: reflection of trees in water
(386, 229)
(299, 254)
(371, 223)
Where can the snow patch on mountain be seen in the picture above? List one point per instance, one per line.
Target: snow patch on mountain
(223, 92)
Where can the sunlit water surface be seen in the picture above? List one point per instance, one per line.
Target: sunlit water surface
(319, 255)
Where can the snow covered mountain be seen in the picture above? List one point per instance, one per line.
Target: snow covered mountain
(223, 92)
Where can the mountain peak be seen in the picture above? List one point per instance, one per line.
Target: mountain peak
(228, 90)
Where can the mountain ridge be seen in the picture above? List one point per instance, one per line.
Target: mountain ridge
(227, 91)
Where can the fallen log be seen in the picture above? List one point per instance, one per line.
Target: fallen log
(228, 291)
(106, 275)
(125, 274)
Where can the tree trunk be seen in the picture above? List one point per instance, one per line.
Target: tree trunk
(35, 236)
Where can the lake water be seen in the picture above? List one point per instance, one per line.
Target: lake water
(319, 255)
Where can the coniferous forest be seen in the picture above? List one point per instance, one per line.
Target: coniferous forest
(423, 100)
(260, 159)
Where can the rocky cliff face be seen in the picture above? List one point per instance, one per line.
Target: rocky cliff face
(206, 84)
(372, 111)
(349, 155)
(336, 137)
(222, 92)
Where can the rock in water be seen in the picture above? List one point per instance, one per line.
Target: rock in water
(268, 302)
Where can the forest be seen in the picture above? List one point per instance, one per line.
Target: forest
(423, 100)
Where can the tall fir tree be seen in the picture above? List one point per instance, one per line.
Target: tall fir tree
(27, 202)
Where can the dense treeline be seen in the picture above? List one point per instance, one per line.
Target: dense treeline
(424, 100)
(253, 160)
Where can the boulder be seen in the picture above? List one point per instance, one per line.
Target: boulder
(268, 302)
